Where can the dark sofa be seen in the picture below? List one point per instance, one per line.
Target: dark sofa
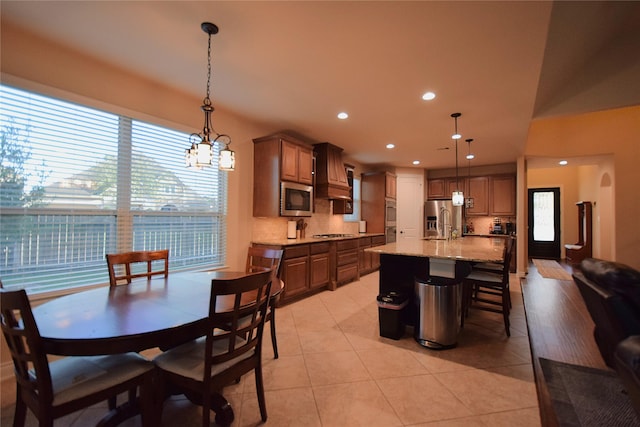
(611, 292)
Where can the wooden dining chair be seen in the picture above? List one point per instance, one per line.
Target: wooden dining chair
(488, 290)
(231, 347)
(124, 267)
(130, 265)
(259, 257)
(54, 389)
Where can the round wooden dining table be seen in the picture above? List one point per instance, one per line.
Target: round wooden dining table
(161, 312)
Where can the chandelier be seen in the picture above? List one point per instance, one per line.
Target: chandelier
(457, 198)
(201, 153)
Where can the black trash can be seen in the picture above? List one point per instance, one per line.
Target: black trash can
(391, 313)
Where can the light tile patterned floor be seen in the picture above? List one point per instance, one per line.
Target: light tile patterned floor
(335, 370)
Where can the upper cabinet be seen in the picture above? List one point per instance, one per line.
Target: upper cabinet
(331, 177)
(436, 189)
(278, 157)
(493, 195)
(503, 195)
(375, 190)
(297, 162)
(478, 190)
(443, 188)
(390, 186)
(345, 206)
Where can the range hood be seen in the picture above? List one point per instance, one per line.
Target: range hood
(330, 174)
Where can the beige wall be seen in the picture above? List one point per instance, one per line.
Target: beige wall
(612, 132)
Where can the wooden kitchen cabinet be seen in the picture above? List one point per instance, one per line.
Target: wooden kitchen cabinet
(390, 186)
(364, 258)
(346, 260)
(319, 263)
(295, 271)
(277, 158)
(478, 189)
(375, 258)
(373, 192)
(443, 188)
(502, 196)
(345, 206)
(297, 162)
(436, 189)
(493, 195)
(369, 261)
(304, 269)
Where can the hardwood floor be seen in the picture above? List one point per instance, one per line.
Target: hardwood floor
(560, 328)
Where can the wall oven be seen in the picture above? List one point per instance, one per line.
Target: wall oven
(296, 199)
(390, 220)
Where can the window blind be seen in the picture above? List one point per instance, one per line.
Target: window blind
(77, 183)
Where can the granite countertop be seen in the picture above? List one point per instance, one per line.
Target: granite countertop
(488, 235)
(463, 249)
(310, 239)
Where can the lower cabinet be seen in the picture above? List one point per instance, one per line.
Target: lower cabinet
(304, 268)
(369, 261)
(346, 260)
(294, 270)
(319, 262)
(310, 267)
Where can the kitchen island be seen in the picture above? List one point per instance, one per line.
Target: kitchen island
(442, 262)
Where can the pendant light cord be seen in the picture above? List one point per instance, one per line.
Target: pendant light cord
(207, 100)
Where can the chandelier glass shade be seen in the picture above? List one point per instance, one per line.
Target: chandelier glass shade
(201, 152)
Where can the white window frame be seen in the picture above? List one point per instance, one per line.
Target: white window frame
(122, 220)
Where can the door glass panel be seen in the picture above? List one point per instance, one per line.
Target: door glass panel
(543, 217)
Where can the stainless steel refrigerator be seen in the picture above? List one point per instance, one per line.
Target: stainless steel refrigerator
(441, 219)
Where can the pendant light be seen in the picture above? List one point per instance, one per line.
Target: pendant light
(469, 201)
(457, 197)
(201, 153)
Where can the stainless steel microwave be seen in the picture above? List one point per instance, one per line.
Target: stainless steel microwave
(296, 199)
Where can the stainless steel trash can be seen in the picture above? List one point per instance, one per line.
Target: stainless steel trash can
(438, 312)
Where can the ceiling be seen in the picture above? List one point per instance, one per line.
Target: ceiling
(295, 65)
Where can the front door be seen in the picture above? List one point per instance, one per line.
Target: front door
(544, 223)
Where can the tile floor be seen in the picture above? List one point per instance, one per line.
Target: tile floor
(335, 370)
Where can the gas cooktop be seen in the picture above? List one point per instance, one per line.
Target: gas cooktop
(330, 236)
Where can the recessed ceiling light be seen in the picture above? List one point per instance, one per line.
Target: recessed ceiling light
(343, 116)
(470, 156)
(390, 146)
(416, 162)
(428, 96)
(562, 162)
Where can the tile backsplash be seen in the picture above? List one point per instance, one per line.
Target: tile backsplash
(484, 224)
(322, 221)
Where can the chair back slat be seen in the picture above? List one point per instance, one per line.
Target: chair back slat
(25, 345)
(240, 328)
(263, 257)
(126, 266)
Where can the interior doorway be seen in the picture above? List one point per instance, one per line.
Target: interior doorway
(544, 223)
(410, 200)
